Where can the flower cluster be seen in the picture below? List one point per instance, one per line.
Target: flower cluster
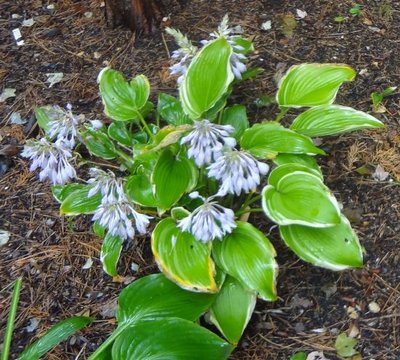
(183, 55)
(51, 158)
(206, 141)
(209, 221)
(187, 50)
(238, 171)
(116, 211)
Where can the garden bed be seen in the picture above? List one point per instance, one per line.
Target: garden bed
(314, 305)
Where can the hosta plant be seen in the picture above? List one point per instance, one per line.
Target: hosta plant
(196, 167)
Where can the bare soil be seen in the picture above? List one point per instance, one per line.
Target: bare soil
(314, 305)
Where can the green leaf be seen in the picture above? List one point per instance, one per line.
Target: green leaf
(300, 198)
(267, 140)
(332, 120)
(60, 192)
(173, 175)
(232, 309)
(170, 338)
(58, 333)
(334, 248)
(99, 144)
(154, 296)
(119, 132)
(207, 79)
(167, 136)
(247, 255)
(345, 345)
(98, 229)
(251, 73)
(110, 252)
(279, 172)
(237, 117)
(122, 100)
(78, 202)
(138, 189)
(312, 84)
(45, 114)
(170, 110)
(300, 159)
(299, 356)
(179, 213)
(246, 45)
(183, 259)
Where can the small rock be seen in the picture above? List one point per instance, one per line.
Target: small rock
(134, 267)
(374, 307)
(33, 324)
(380, 174)
(4, 237)
(300, 14)
(267, 25)
(88, 264)
(28, 22)
(316, 355)
(354, 331)
(298, 301)
(352, 313)
(54, 78)
(329, 289)
(7, 93)
(16, 119)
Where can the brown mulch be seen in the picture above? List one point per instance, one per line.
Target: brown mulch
(314, 305)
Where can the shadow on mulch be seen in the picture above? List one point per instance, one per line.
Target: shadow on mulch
(314, 305)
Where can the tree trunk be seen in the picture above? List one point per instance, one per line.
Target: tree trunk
(141, 16)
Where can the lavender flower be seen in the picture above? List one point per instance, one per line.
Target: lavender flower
(116, 214)
(206, 141)
(183, 55)
(64, 125)
(238, 171)
(51, 158)
(209, 221)
(237, 58)
(106, 183)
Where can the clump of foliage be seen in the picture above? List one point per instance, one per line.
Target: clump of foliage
(196, 167)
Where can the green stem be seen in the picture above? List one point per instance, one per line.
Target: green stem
(281, 114)
(144, 123)
(108, 341)
(11, 319)
(126, 158)
(245, 211)
(250, 201)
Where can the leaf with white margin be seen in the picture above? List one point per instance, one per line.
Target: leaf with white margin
(300, 159)
(207, 78)
(268, 139)
(110, 252)
(183, 259)
(300, 198)
(333, 120)
(280, 171)
(312, 84)
(248, 256)
(334, 248)
(232, 309)
(123, 100)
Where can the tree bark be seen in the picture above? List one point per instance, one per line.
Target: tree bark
(141, 16)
